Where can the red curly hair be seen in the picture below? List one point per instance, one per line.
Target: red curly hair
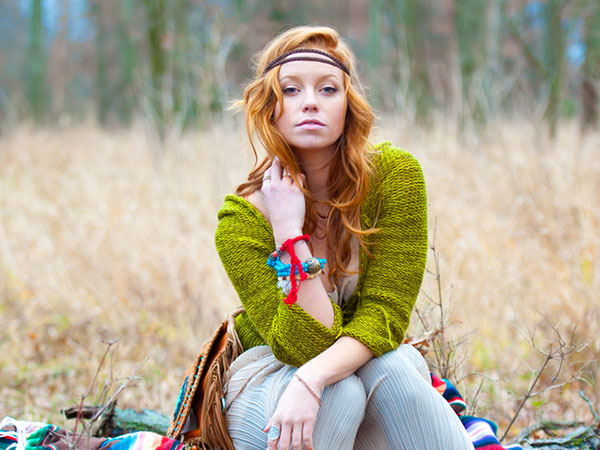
(350, 168)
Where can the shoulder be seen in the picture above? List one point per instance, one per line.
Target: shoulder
(240, 223)
(396, 185)
(238, 211)
(256, 199)
(388, 159)
(394, 169)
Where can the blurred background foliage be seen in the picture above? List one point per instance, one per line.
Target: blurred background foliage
(101, 240)
(179, 63)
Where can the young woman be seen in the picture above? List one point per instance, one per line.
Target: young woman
(323, 365)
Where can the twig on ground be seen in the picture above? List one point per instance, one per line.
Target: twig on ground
(546, 426)
(441, 353)
(109, 349)
(559, 351)
(589, 403)
(443, 349)
(86, 416)
(472, 405)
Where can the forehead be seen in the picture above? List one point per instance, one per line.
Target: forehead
(306, 69)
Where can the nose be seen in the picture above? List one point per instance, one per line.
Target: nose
(310, 102)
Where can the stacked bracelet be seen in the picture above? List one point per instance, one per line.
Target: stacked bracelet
(285, 283)
(291, 275)
(311, 265)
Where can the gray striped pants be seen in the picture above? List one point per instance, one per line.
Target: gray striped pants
(388, 403)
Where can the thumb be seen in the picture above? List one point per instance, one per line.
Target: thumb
(302, 179)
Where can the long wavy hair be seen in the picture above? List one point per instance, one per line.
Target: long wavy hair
(350, 168)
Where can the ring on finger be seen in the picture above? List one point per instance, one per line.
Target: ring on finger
(267, 177)
(273, 433)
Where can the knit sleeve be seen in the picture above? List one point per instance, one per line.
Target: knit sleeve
(244, 240)
(392, 278)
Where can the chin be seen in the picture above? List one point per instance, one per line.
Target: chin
(312, 145)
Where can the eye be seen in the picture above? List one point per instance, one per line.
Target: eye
(329, 89)
(289, 90)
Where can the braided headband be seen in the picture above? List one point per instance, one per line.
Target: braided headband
(329, 59)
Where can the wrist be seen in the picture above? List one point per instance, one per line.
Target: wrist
(282, 234)
(316, 380)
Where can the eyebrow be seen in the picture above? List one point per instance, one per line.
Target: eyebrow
(293, 77)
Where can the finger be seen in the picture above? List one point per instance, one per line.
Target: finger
(285, 437)
(267, 175)
(287, 176)
(272, 436)
(301, 179)
(276, 169)
(307, 434)
(271, 443)
(297, 436)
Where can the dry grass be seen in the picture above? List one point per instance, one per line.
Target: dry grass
(102, 239)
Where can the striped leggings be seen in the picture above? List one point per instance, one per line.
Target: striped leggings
(388, 403)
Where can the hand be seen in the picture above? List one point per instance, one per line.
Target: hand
(296, 415)
(284, 201)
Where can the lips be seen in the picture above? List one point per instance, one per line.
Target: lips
(311, 123)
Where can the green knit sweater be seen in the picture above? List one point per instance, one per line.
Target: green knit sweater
(378, 312)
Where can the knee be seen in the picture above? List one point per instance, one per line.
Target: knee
(396, 375)
(342, 411)
(416, 359)
(345, 400)
(404, 361)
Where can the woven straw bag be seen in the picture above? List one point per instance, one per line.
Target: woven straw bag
(200, 419)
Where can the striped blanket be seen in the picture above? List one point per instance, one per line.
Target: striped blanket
(23, 435)
(481, 431)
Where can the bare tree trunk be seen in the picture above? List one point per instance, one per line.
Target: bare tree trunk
(155, 31)
(375, 34)
(102, 88)
(127, 63)
(555, 45)
(412, 15)
(180, 66)
(551, 66)
(591, 67)
(36, 65)
(470, 23)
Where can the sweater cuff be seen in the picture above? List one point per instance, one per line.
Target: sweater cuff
(379, 343)
(298, 337)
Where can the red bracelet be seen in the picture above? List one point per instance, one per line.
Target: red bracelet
(295, 263)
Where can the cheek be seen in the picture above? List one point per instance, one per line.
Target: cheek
(280, 117)
(341, 115)
(279, 121)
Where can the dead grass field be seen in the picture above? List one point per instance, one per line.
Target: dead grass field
(101, 239)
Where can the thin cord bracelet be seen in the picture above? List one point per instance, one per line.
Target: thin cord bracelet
(315, 396)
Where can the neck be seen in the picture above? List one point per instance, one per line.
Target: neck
(315, 165)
